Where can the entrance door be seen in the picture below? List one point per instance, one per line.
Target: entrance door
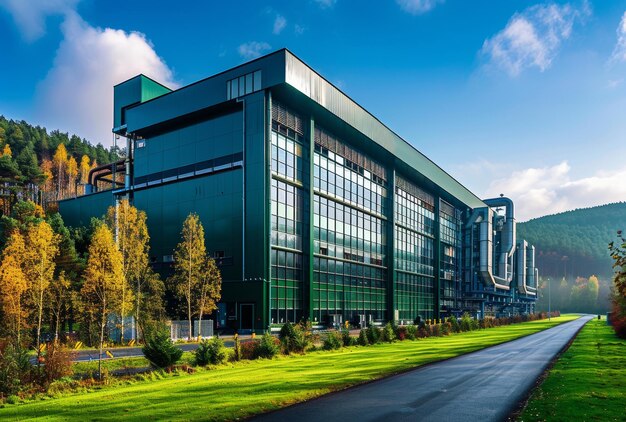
(246, 316)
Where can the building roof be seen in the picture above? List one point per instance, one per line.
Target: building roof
(283, 67)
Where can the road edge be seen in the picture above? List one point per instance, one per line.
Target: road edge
(523, 402)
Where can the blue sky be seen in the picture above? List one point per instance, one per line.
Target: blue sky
(525, 98)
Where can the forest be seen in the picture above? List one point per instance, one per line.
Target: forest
(43, 166)
(573, 256)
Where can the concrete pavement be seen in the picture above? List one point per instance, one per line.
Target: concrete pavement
(486, 385)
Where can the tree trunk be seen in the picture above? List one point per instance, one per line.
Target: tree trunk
(137, 311)
(102, 324)
(40, 312)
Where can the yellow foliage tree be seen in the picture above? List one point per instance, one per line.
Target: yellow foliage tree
(189, 261)
(72, 174)
(58, 296)
(84, 171)
(13, 285)
(131, 232)
(209, 290)
(6, 151)
(59, 159)
(103, 279)
(39, 265)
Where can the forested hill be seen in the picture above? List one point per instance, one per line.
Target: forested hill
(575, 242)
(44, 166)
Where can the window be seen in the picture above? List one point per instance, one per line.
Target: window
(243, 85)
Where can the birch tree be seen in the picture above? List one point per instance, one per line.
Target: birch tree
(103, 279)
(39, 260)
(129, 225)
(13, 286)
(189, 259)
(209, 290)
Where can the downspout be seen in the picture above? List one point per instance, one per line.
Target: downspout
(521, 267)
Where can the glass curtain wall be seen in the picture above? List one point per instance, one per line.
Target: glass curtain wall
(349, 232)
(450, 255)
(414, 251)
(289, 215)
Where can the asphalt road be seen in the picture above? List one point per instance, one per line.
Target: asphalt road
(482, 386)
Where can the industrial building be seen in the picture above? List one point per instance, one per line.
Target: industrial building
(312, 207)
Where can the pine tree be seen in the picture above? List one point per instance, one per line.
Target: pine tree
(103, 279)
(189, 260)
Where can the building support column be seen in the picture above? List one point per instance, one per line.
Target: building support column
(392, 306)
(437, 266)
(310, 249)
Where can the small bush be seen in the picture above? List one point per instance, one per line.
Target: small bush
(236, 349)
(435, 330)
(401, 333)
(295, 338)
(346, 339)
(210, 352)
(411, 332)
(373, 334)
(446, 328)
(268, 347)
(362, 340)
(466, 322)
(249, 349)
(333, 341)
(160, 351)
(454, 324)
(13, 399)
(388, 334)
(15, 369)
(58, 362)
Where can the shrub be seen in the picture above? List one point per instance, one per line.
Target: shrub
(268, 347)
(435, 330)
(236, 349)
(210, 352)
(446, 328)
(474, 324)
(455, 327)
(295, 338)
(401, 332)
(15, 368)
(160, 351)
(466, 322)
(423, 332)
(411, 332)
(58, 362)
(346, 339)
(249, 349)
(13, 399)
(388, 334)
(373, 334)
(362, 340)
(333, 341)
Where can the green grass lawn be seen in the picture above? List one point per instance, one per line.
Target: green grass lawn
(587, 383)
(251, 387)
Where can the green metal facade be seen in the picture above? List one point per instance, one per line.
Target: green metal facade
(315, 209)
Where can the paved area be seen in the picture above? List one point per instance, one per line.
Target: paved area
(481, 386)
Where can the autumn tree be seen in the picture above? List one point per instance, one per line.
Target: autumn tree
(39, 264)
(13, 285)
(189, 262)
(72, 174)
(60, 165)
(6, 151)
(131, 232)
(103, 279)
(209, 290)
(84, 171)
(58, 294)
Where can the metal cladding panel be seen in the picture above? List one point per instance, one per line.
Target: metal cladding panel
(133, 91)
(311, 84)
(203, 94)
(77, 212)
(151, 89)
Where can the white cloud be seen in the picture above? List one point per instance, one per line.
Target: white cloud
(253, 49)
(417, 7)
(532, 38)
(299, 29)
(30, 15)
(325, 4)
(77, 93)
(619, 52)
(279, 24)
(548, 190)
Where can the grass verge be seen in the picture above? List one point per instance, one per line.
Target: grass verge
(246, 388)
(587, 383)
